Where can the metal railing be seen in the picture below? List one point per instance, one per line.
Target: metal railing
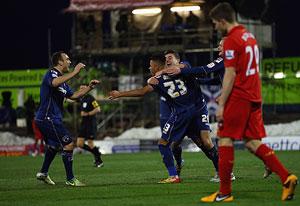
(133, 42)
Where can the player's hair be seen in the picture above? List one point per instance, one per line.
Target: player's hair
(57, 56)
(159, 58)
(223, 11)
(171, 51)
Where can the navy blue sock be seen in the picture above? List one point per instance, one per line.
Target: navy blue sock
(177, 152)
(168, 160)
(49, 157)
(67, 157)
(213, 155)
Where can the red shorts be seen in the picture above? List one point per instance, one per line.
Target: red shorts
(242, 118)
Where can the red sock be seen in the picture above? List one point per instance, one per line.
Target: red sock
(268, 156)
(226, 158)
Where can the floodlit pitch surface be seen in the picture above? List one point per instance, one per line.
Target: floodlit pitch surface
(131, 179)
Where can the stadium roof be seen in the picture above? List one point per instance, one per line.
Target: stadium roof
(96, 5)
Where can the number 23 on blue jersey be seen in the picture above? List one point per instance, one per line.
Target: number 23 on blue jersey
(173, 91)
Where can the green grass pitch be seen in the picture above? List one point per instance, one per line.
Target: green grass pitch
(131, 179)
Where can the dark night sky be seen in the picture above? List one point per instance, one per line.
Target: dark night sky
(24, 26)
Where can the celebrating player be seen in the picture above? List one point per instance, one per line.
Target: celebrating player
(54, 90)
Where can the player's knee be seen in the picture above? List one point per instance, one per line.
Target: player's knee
(252, 145)
(163, 142)
(226, 142)
(175, 146)
(52, 149)
(205, 139)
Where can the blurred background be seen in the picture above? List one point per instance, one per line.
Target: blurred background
(115, 38)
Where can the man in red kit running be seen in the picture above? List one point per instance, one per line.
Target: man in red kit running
(240, 105)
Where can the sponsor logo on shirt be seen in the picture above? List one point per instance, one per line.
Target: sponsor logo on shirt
(65, 138)
(62, 90)
(218, 60)
(211, 65)
(229, 54)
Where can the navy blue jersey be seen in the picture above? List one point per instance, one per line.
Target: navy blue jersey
(186, 63)
(180, 92)
(165, 110)
(52, 98)
(188, 109)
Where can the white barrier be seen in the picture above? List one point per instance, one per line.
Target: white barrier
(284, 143)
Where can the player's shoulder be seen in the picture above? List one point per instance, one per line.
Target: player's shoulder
(163, 77)
(52, 73)
(186, 63)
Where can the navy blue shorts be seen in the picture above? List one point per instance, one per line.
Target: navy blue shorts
(189, 123)
(54, 132)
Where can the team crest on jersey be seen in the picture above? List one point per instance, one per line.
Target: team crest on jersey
(65, 138)
(229, 54)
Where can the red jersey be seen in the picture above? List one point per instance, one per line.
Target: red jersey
(241, 52)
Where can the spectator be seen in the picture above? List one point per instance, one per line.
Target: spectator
(106, 30)
(89, 25)
(7, 113)
(178, 22)
(192, 21)
(122, 29)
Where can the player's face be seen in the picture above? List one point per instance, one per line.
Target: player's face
(171, 60)
(220, 26)
(65, 62)
(153, 67)
(220, 48)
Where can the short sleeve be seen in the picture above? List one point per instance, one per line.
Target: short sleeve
(50, 76)
(187, 64)
(231, 50)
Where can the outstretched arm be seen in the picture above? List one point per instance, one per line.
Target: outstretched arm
(85, 90)
(131, 93)
(59, 80)
(173, 70)
(214, 66)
